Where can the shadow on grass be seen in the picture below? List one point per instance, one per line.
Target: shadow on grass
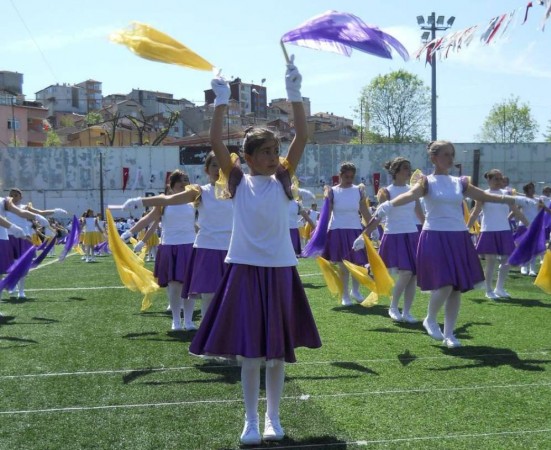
(135, 374)
(225, 373)
(313, 443)
(526, 302)
(376, 310)
(313, 286)
(18, 301)
(483, 356)
(17, 340)
(406, 358)
(169, 336)
(354, 366)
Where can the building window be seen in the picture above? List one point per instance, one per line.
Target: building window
(13, 124)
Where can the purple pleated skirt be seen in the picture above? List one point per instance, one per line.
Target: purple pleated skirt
(447, 258)
(6, 255)
(399, 251)
(171, 263)
(19, 246)
(295, 239)
(257, 312)
(338, 246)
(495, 243)
(207, 267)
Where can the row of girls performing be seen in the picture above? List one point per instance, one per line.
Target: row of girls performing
(240, 262)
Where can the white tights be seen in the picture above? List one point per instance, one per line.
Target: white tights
(452, 299)
(344, 275)
(405, 284)
(250, 382)
(206, 299)
(502, 273)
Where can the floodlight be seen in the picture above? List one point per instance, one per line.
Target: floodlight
(451, 20)
(440, 20)
(430, 19)
(425, 36)
(420, 20)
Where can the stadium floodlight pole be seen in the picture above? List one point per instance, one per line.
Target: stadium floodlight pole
(433, 25)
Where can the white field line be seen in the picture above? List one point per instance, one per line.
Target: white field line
(303, 397)
(542, 352)
(55, 260)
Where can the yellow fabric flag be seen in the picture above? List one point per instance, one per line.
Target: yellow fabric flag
(543, 280)
(475, 229)
(415, 177)
(361, 275)
(383, 280)
(78, 250)
(152, 44)
(331, 276)
(221, 191)
(131, 269)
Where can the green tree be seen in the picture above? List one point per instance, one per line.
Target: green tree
(67, 121)
(52, 139)
(93, 118)
(509, 122)
(395, 108)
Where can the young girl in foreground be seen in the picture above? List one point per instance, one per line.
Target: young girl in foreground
(259, 313)
(447, 262)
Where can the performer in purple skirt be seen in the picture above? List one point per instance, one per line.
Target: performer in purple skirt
(296, 214)
(347, 202)
(447, 262)
(398, 248)
(496, 238)
(259, 313)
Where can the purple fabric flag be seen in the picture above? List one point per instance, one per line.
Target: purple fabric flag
(316, 244)
(72, 239)
(340, 32)
(18, 269)
(45, 247)
(531, 243)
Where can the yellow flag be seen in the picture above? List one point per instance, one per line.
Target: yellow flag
(360, 274)
(149, 43)
(543, 280)
(415, 177)
(331, 276)
(383, 280)
(131, 268)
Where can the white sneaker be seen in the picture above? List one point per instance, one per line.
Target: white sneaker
(272, 430)
(532, 274)
(408, 318)
(502, 293)
(21, 294)
(394, 314)
(251, 433)
(524, 270)
(451, 342)
(356, 296)
(176, 326)
(190, 327)
(433, 330)
(492, 295)
(345, 301)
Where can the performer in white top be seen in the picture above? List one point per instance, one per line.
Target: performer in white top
(92, 235)
(530, 210)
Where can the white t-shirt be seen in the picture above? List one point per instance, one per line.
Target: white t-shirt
(495, 215)
(178, 224)
(444, 204)
(400, 219)
(21, 222)
(294, 209)
(260, 235)
(215, 221)
(346, 208)
(3, 231)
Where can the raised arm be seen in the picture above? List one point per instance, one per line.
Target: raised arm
(189, 195)
(293, 82)
(26, 214)
(222, 91)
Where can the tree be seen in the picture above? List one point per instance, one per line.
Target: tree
(67, 121)
(547, 135)
(509, 122)
(52, 139)
(395, 108)
(93, 118)
(174, 116)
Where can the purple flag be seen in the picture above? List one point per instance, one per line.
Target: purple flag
(18, 269)
(531, 243)
(316, 244)
(45, 247)
(340, 32)
(72, 239)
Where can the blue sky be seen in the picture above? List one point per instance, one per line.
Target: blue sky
(67, 42)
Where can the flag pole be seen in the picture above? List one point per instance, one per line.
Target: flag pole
(284, 52)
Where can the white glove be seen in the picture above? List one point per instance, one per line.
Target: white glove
(138, 247)
(383, 209)
(16, 231)
(222, 91)
(293, 81)
(126, 235)
(42, 220)
(359, 243)
(133, 203)
(60, 211)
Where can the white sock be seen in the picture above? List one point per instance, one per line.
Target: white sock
(502, 273)
(355, 286)
(21, 285)
(206, 299)
(401, 282)
(250, 384)
(409, 294)
(189, 305)
(489, 272)
(174, 289)
(343, 271)
(437, 299)
(451, 313)
(533, 265)
(275, 377)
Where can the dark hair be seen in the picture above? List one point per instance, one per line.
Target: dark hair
(434, 147)
(176, 176)
(347, 166)
(528, 186)
(15, 190)
(492, 173)
(394, 165)
(255, 137)
(208, 159)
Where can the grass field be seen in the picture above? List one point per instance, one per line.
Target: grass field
(82, 368)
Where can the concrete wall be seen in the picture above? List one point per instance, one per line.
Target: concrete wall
(70, 177)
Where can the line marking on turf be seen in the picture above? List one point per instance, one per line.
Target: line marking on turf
(303, 397)
(542, 352)
(51, 262)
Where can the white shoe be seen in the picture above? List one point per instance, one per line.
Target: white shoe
(451, 342)
(492, 295)
(356, 295)
(408, 318)
(394, 314)
(502, 293)
(176, 326)
(433, 330)
(21, 294)
(251, 433)
(190, 327)
(524, 271)
(272, 430)
(168, 308)
(345, 301)
(532, 273)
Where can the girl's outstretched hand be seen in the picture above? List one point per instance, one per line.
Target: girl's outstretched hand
(293, 81)
(222, 91)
